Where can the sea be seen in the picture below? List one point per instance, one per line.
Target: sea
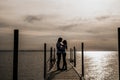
(98, 65)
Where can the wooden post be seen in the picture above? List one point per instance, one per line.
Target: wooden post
(50, 58)
(74, 57)
(44, 61)
(82, 46)
(119, 50)
(70, 55)
(54, 55)
(15, 55)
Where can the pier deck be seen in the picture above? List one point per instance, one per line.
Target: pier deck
(69, 74)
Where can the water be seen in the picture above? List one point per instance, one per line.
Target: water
(30, 64)
(99, 65)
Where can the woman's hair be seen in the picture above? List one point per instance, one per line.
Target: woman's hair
(59, 39)
(65, 43)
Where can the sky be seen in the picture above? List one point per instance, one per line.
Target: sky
(93, 22)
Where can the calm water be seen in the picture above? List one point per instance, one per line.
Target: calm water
(30, 66)
(99, 65)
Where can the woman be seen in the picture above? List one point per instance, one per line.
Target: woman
(64, 47)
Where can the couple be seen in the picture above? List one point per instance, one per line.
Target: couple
(61, 50)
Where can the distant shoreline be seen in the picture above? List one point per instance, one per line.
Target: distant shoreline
(23, 50)
(36, 50)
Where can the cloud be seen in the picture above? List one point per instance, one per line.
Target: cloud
(101, 18)
(67, 27)
(2, 24)
(108, 18)
(73, 24)
(40, 17)
(32, 18)
(44, 21)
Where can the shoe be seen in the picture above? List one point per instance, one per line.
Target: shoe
(58, 69)
(62, 69)
(65, 68)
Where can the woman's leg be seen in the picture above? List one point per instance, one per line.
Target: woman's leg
(64, 61)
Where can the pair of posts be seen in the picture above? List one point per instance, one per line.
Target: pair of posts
(71, 56)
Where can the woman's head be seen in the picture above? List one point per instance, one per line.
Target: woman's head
(65, 43)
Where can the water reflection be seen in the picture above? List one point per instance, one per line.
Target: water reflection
(101, 65)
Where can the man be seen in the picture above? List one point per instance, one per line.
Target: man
(58, 46)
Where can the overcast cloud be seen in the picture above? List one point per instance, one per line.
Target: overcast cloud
(93, 22)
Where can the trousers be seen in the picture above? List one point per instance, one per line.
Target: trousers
(58, 60)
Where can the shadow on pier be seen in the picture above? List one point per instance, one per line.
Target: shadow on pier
(69, 74)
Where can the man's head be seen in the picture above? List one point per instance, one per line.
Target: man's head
(59, 39)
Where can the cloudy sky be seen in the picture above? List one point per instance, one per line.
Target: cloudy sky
(93, 22)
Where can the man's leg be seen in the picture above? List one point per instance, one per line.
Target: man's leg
(58, 61)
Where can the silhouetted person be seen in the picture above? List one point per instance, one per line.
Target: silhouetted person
(64, 47)
(58, 45)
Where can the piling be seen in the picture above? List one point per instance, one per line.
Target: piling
(74, 57)
(50, 58)
(15, 54)
(54, 56)
(82, 47)
(70, 55)
(45, 61)
(119, 50)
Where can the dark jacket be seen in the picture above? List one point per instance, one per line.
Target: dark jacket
(58, 45)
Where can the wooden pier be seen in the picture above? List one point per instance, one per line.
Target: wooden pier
(50, 68)
(52, 73)
(69, 74)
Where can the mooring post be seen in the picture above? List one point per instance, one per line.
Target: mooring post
(82, 47)
(50, 58)
(119, 50)
(74, 57)
(15, 54)
(54, 55)
(70, 55)
(44, 61)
